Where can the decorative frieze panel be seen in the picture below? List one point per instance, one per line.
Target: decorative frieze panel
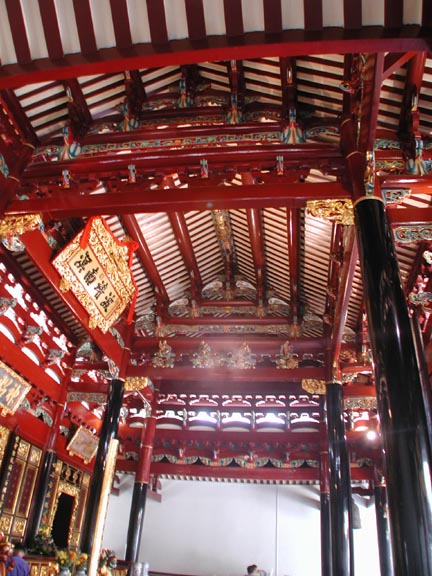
(18, 490)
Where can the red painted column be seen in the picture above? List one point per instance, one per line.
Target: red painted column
(139, 496)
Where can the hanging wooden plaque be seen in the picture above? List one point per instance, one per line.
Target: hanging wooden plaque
(96, 267)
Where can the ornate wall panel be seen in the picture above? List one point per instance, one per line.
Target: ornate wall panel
(20, 481)
(67, 480)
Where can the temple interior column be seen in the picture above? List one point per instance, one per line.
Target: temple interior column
(142, 479)
(340, 484)
(108, 432)
(383, 528)
(403, 419)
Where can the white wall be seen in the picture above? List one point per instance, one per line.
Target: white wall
(217, 529)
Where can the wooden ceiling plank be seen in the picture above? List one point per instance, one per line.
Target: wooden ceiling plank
(51, 29)
(86, 33)
(352, 14)
(195, 19)
(393, 13)
(272, 16)
(221, 197)
(19, 32)
(157, 24)
(233, 18)
(313, 15)
(120, 19)
(253, 45)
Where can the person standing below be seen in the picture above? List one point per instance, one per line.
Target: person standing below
(17, 566)
(253, 569)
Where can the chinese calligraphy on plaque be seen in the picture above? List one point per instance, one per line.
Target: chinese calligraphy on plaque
(95, 266)
(13, 389)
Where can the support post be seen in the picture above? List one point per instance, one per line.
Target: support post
(407, 453)
(383, 529)
(48, 459)
(325, 518)
(108, 432)
(139, 496)
(340, 484)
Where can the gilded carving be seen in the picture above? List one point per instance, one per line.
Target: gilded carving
(23, 449)
(340, 211)
(13, 389)
(19, 526)
(95, 266)
(4, 437)
(83, 444)
(408, 234)
(135, 383)
(363, 403)
(5, 523)
(17, 225)
(313, 386)
(35, 455)
(164, 357)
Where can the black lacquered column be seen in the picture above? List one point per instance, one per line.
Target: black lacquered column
(325, 518)
(340, 484)
(48, 460)
(108, 432)
(407, 453)
(383, 529)
(139, 496)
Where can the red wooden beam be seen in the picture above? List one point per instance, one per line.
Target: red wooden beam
(195, 19)
(343, 298)
(51, 29)
(226, 376)
(67, 205)
(143, 252)
(409, 216)
(247, 154)
(18, 30)
(293, 227)
(333, 276)
(256, 237)
(157, 25)
(393, 62)
(272, 16)
(259, 343)
(181, 232)
(120, 19)
(20, 117)
(372, 78)
(87, 38)
(216, 48)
